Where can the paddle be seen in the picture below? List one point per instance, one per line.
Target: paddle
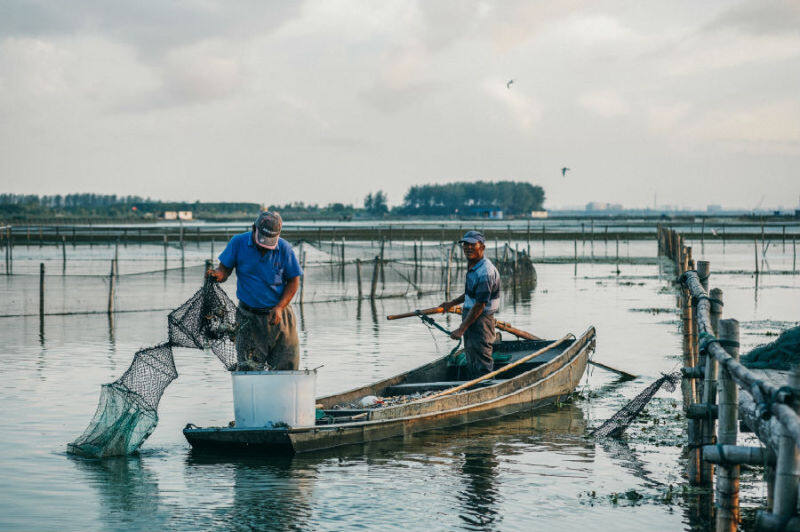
(507, 327)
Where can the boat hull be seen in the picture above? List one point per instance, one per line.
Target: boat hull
(549, 383)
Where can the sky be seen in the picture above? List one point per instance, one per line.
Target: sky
(648, 102)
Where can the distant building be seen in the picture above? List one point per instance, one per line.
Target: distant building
(495, 215)
(602, 206)
(538, 214)
(178, 215)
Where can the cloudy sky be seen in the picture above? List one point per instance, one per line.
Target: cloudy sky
(679, 102)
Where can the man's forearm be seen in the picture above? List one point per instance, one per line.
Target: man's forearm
(289, 292)
(456, 301)
(473, 315)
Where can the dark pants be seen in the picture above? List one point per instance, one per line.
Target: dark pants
(261, 345)
(478, 340)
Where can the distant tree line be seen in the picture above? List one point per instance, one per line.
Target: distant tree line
(473, 199)
(18, 206)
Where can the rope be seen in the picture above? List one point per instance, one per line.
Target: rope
(430, 322)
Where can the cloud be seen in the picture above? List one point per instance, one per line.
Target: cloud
(772, 127)
(520, 108)
(607, 103)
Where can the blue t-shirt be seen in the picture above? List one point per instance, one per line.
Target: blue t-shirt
(260, 280)
(483, 286)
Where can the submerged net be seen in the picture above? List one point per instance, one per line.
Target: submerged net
(616, 424)
(127, 411)
(782, 354)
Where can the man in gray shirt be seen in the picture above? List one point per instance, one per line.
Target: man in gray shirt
(481, 299)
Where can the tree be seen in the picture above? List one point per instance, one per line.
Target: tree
(376, 203)
(478, 198)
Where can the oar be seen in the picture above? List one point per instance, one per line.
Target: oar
(528, 336)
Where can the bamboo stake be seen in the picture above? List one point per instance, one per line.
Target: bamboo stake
(499, 371)
(727, 489)
(358, 276)
(63, 255)
(41, 291)
(375, 272)
(755, 254)
(165, 252)
(786, 475)
(447, 278)
(112, 276)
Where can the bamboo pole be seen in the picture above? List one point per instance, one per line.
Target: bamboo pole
(302, 277)
(727, 488)
(112, 281)
(41, 292)
(447, 278)
(375, 272)
(383, 274)
(358, 275)
(63, 255)
(165, 252)
(786, 474)
(8, 250)
(755, 254)
(498, 371)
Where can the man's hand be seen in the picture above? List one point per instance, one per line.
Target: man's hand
(275, 315)
(215, 275)
(458, 333)
(446, 306)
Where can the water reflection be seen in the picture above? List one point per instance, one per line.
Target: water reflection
(128, 492)
(268, 493)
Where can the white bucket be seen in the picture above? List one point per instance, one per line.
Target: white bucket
(265, 398)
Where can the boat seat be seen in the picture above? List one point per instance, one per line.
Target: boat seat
(418, 387)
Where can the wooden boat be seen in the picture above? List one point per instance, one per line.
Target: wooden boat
(545, 379)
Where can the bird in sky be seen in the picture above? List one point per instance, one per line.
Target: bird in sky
(564, 171)
(508, 83)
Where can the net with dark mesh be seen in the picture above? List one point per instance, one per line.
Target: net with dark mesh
(616, 424)
(127, 411)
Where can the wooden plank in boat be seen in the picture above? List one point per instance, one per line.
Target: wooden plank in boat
(416, 387)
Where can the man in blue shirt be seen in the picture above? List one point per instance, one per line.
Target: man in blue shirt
(481, 299)
(267, 278)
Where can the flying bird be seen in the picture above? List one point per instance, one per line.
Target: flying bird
(508, 83)
(564, 171)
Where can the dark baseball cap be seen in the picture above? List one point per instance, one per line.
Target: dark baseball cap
(267, 229)
(472, 237)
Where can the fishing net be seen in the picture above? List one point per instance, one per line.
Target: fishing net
(616, 424)
(782, 354)
(127, 412)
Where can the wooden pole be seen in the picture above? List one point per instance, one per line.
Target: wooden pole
(165, 252)
(63, 255)
(755, 254)
(8, 251)
(383, 274)
(358, 275)
(375, 272)
(112, 281)
(786, 474)
(447, 274)
(794, 254)
(302, 277)
(710, 389)
(727, 488)
(41, 291)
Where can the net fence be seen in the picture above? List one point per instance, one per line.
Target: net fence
(144, 281)
(614, 426)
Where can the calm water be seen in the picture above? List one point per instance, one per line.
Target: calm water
(535, 470)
